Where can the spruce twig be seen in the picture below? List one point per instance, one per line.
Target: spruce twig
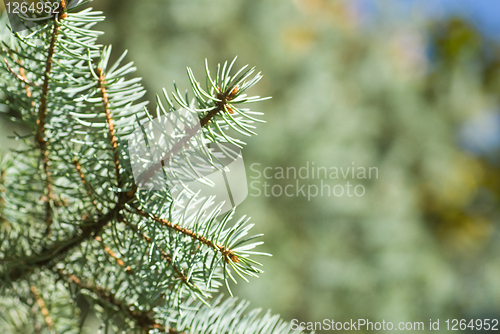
(227, 253)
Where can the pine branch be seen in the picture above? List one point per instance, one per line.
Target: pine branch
(86, 112)
(232, 244)
(227, 253)
(48, 256)
(224, 98)
(143, 319)
(229, 92)
(167, 257)
(230, 317)
(179, 272)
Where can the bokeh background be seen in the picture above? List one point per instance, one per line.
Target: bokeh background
(409, 87)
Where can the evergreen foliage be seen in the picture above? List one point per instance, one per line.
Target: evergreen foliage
(349, 85)
(73, 221)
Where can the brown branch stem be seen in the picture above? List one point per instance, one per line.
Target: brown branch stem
(43, 308)
(109, 121)
(141, 318)
(86, 185)
(21, 77)
(119, 261)
(227, 253)
(48, 255)
(225, 98)
(42, 115)
(164, 254)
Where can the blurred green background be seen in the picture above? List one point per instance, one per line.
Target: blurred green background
(405, 86)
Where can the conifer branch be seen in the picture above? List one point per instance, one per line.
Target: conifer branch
(164, 254)
(27, 87)
(178, 146)
(49, 254)
(221, 105)
(28, 83)
(227, 253)
(221, 99)
(144, 237)
(143, 319)
(93, 108)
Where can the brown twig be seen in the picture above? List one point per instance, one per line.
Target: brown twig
(22, 72)
(86, 185)
(62, 10)
(120, 262)
(43, 309)
(164, 254)
(144, 237)
(42, 115)
(109, 120)
(141, 318)
(48, 255)
(42, 111)
(225, 98)
(227, 253)
(21, 76)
